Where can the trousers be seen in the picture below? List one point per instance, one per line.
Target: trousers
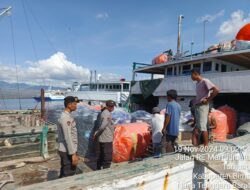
(105, 155)
(67, 169)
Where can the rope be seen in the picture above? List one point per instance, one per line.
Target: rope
(14, 52)
(31, 36)
(43, 31)
(74, 54)
(46, 37)
(3, 100)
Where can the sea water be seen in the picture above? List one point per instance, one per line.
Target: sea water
(24, 104)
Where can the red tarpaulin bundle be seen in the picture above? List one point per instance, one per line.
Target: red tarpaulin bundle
(231, 118)
(162, 58)
(130, 141)
(96, 107)
(219, 120)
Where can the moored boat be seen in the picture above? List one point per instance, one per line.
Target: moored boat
(51, 95)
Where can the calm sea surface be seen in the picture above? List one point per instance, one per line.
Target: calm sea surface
(13, 104)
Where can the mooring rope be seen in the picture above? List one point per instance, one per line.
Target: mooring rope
(15, 61)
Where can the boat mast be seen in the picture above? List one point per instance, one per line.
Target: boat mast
(178, 54)
(2, 13)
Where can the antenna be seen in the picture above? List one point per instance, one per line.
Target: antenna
(95, 76)
(91, 75)
(191, 51)
(204, 35)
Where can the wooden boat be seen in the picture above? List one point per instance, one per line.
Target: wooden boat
(23, 134)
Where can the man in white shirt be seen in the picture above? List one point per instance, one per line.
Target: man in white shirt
(157, 126)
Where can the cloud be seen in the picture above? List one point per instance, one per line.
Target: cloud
(210, 18)
(103, 16)
(57, 70)
(229, 28)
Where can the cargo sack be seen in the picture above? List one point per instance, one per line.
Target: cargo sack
(130, 141)
(231, 118)
(220, 127)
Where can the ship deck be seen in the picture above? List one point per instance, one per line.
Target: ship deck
(240, 57)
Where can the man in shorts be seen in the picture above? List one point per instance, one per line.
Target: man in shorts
(205, 92)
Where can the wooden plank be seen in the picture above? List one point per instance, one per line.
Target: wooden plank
(19, 119)
(5, 112)
(26, 155)
(24, 150)
(8, 132)
(12, 164)
(26, 139)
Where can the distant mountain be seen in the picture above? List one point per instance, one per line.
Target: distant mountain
(5, 85)
(9, 90)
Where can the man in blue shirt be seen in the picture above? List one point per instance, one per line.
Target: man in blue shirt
(172, 120)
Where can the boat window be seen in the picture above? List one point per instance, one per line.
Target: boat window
(170, 71)
(186, 69)
(107, 86)
(84, 87)
(175, 70)
(91, 87)
(197, 66)
(125, 86)
(207, 66)
(223, 68)
(217, 66)
(110, 87)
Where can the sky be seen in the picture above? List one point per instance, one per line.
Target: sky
(57, 42)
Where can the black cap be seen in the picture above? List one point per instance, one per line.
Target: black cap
(70, 99)
(172, 94)
(110, 103)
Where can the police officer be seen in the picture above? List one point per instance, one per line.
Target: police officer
(67, 138)
(105, 135)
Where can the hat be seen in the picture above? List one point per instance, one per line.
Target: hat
(156, 110)
(110, 103)
(172, 94)
(70, 99)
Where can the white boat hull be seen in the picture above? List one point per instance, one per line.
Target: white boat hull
(119, 97)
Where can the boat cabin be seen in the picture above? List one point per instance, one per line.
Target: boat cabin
(102, 86)
(229, 70)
